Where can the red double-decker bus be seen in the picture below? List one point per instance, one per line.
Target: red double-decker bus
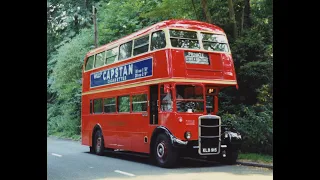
(155, 92)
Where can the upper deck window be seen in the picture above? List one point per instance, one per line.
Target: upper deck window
(214, 42)
(141, 45)
(125, 50)
(99, 60)
(111, 55)
(158, 40)
(184, 39)
(89, 63)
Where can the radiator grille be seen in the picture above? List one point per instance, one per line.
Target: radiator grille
(209, 135)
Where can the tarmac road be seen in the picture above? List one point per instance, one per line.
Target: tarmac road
(69, 160)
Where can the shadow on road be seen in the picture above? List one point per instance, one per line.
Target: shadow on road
(144, 159)
(191, 167)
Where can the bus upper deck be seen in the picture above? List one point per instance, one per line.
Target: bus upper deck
(169, 51)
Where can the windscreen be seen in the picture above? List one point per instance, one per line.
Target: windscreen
(189, 98)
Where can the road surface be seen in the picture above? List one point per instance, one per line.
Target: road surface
(69, 160)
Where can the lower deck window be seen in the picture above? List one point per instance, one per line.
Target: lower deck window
(139, 103)
(109, 105)
(124, 103)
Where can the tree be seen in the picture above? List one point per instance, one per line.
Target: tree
(233, 19)
(206, 11)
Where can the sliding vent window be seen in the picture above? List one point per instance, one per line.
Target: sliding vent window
(139, 103)
(214, 42)
(111, 55)
(109, 105)
(141, 45)
(125, 50)
(97, 106)
(184, 39)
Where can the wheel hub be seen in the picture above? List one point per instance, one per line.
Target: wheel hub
(98, 144)
(161, 149)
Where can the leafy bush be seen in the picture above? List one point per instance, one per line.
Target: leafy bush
(255, 123)
(64, 114)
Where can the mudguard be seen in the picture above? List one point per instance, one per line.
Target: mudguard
(230, 137)
(175, 141)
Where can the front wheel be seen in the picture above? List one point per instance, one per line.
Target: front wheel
(164, 153)
(231, 157)
(98, 143)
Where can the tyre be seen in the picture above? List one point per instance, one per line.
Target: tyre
(165, 155)
(98, 143)
(230, 159)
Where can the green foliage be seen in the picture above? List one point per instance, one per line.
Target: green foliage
(117, 19)
(66, 82)
(171, 9)
(255, 123)
(265, 94)
(69, 58)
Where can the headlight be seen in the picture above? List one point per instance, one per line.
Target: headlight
(225, 135)
(187, 135)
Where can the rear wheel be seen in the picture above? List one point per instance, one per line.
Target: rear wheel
(98, 143)
(164, 153)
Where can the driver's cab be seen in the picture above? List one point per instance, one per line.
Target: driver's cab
(189, 98)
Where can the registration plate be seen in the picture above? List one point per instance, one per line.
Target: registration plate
(209, 150)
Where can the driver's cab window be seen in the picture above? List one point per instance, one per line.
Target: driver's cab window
(189, 98)
(210, 104)
(166, 98)
(211, 94)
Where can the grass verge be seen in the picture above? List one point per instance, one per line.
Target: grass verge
(66, 136)
(258, 158)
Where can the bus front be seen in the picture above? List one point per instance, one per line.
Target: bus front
(202, 65)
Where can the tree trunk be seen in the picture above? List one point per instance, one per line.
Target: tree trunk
(242, 20)
(206, 11)
(86, 3)
(95, 28)
(194, 8)
(233, 19)
(247, 14)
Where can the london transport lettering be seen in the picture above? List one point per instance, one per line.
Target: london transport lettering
(129, 71)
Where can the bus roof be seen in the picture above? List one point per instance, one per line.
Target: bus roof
(174, 23)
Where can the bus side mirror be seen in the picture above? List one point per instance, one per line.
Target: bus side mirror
(167, 88)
